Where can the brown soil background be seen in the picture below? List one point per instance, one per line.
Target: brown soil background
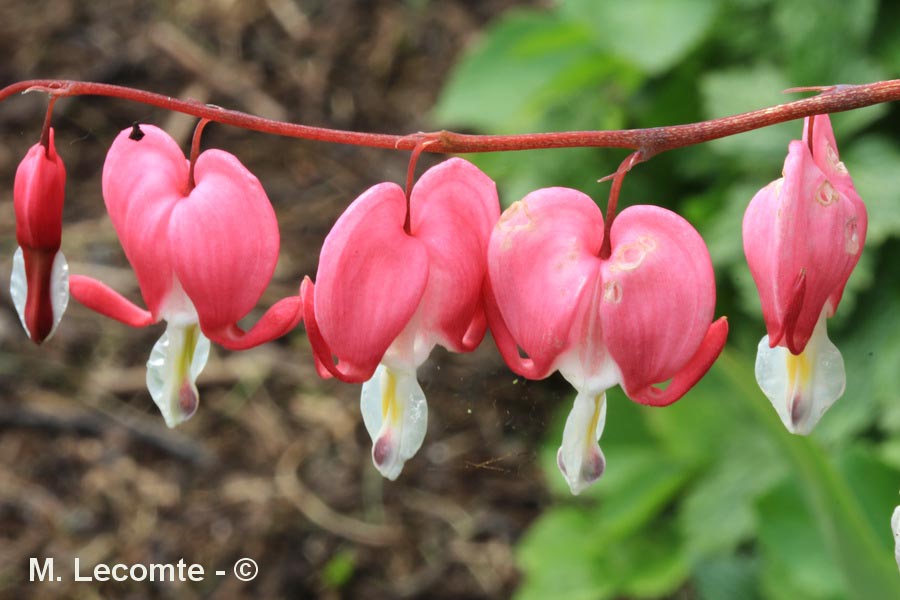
(276, 464)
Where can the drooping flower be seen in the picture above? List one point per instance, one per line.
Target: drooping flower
(803, 235)
(640, 317)
(39, 285)
(386, 294)
(202, 254)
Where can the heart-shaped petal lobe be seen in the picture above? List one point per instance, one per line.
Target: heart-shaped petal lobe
(224, 240)
(542, 259)
(658, 295)
(453, 209)
(144, 176)
(371, 278)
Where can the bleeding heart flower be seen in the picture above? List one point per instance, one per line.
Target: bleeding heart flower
(803, 234)
(39, 285)
(386, 294)
(639, 317)
(202, 254)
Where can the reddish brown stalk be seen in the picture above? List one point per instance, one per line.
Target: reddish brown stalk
(654, 140)
(421, 145)
(45, 130)
(195, 150)
(809, 135)
(617, 178)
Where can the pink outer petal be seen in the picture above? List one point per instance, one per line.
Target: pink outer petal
(370, 280)
(281, 317)
(454, 207)
(542, 259)
(143, 180)
(108, 302)
(38, 196)
(658, 296)
(826, 157)
(802, 238)
(710, 348)
(224, 241)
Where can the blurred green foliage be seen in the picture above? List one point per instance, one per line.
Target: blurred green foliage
(711, 498)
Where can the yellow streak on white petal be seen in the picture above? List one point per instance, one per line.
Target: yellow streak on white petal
(592, 425)
(389, 409)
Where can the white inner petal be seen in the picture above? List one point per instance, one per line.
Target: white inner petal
(895, 526)
(803, 387)
(175, 362)
(59, 288)
(579, 458)
(396, 416)
(18, 287)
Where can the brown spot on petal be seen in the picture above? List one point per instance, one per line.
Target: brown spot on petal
(831, 157)
(628, 257)
(826, 195)
(612, 292)
(514, 219)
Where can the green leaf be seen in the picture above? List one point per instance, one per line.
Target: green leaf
(558, 557)
(741, 89)
(718, 512)
(498, 86)
(727, 578)
(651, 564)
(872, 162)
(875, 485)
(795, 560)
(818, 37)
(723, 232)
(853, 547)
(339, 569)
(646, 482)
(654, 34)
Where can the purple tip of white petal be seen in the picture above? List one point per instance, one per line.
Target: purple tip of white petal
(396, 416)
(579, 458)
(801, 387)
(175, 362)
